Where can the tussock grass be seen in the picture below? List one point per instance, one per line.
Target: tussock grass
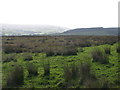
(99, 56)
(107, 49)
(46, 67)
(32, 69)
(16, 77)
(71, 72)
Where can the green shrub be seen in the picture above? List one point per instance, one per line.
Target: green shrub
(99, 56)
(46, 67)
(32, 69)
(16, 77)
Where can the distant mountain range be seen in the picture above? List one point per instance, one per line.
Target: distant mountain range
(18, 30)
(92, 31)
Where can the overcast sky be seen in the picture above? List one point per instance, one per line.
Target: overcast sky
(65, 13)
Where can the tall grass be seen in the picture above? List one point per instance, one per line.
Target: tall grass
(46, 67)
(65, 51)
(99, 56)
(80, 74)
(107, 49)
(16, 77)
(32, 69)
(71, 72)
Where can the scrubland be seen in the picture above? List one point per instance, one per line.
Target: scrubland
(61, 62)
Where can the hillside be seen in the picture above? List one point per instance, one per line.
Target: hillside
(92, 31)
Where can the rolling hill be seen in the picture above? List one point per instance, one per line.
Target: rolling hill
(92, 31)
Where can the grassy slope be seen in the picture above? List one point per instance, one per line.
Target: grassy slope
(57, 63)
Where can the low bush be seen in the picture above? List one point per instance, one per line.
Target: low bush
(99, 56)
(32, 69)
(16, 77)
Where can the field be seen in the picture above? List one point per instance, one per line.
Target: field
(60, 62)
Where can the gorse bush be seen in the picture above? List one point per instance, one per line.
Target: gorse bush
(32, 69)
(46, 67)
(16, 77)
(99, 56)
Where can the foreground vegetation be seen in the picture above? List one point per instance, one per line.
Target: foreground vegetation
(61, 62)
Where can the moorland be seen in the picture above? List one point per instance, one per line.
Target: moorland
(60, 61)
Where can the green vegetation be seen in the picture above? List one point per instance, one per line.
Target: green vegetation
(99, 56)
(32, 69)
(94, 66)
(16, 77)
